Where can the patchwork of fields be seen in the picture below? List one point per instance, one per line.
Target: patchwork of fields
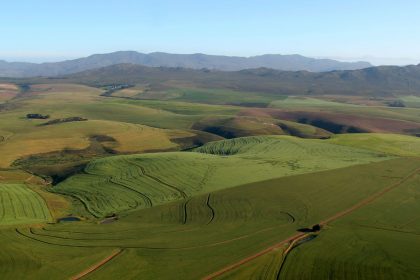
(206, 181)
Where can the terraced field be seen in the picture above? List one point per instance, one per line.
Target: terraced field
(20, 205)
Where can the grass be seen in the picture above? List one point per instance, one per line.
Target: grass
(21, 205)
(121, 183)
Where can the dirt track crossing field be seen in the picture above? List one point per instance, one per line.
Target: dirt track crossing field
(297, 236)
(97, 265)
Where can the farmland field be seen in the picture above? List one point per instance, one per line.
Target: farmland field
(171, 180)
(21, 205)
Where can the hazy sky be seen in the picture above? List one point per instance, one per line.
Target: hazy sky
(382, 31)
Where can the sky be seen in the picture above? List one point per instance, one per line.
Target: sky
(383, 32)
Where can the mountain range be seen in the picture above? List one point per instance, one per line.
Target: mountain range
(373, 81)
(192, 61)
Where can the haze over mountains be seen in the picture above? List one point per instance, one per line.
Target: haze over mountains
(192, 61)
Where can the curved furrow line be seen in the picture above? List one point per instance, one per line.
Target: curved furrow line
(213, 213)
(184, 211)
(147, 199)
(175, 188)
(31, 230)
(36, 237)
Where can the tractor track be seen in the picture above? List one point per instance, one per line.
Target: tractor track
(97, 265)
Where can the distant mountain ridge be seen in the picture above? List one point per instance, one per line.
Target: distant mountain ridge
(373, 81)
(192, 61)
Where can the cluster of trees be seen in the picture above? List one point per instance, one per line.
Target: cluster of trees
(396, 103)
(110, 89)
(37, 116)
(70, 119)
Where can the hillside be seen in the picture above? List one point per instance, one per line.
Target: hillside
(120, 183)
(193, 61)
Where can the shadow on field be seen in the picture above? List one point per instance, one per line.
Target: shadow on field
(314, 228)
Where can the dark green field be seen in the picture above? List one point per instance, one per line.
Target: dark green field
(174, 180)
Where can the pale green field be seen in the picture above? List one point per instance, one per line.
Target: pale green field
(21, 205)
(394, 144)
(295, 101)
(411, 101)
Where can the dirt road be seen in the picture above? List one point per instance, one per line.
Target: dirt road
(97, 265)
(324, 222)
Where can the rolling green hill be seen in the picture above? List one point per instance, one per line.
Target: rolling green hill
(119, 183)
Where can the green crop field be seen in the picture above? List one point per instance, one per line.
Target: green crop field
(21, 205)
(214, 96)
(394, 144)
(381, 241)
(305, 102)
